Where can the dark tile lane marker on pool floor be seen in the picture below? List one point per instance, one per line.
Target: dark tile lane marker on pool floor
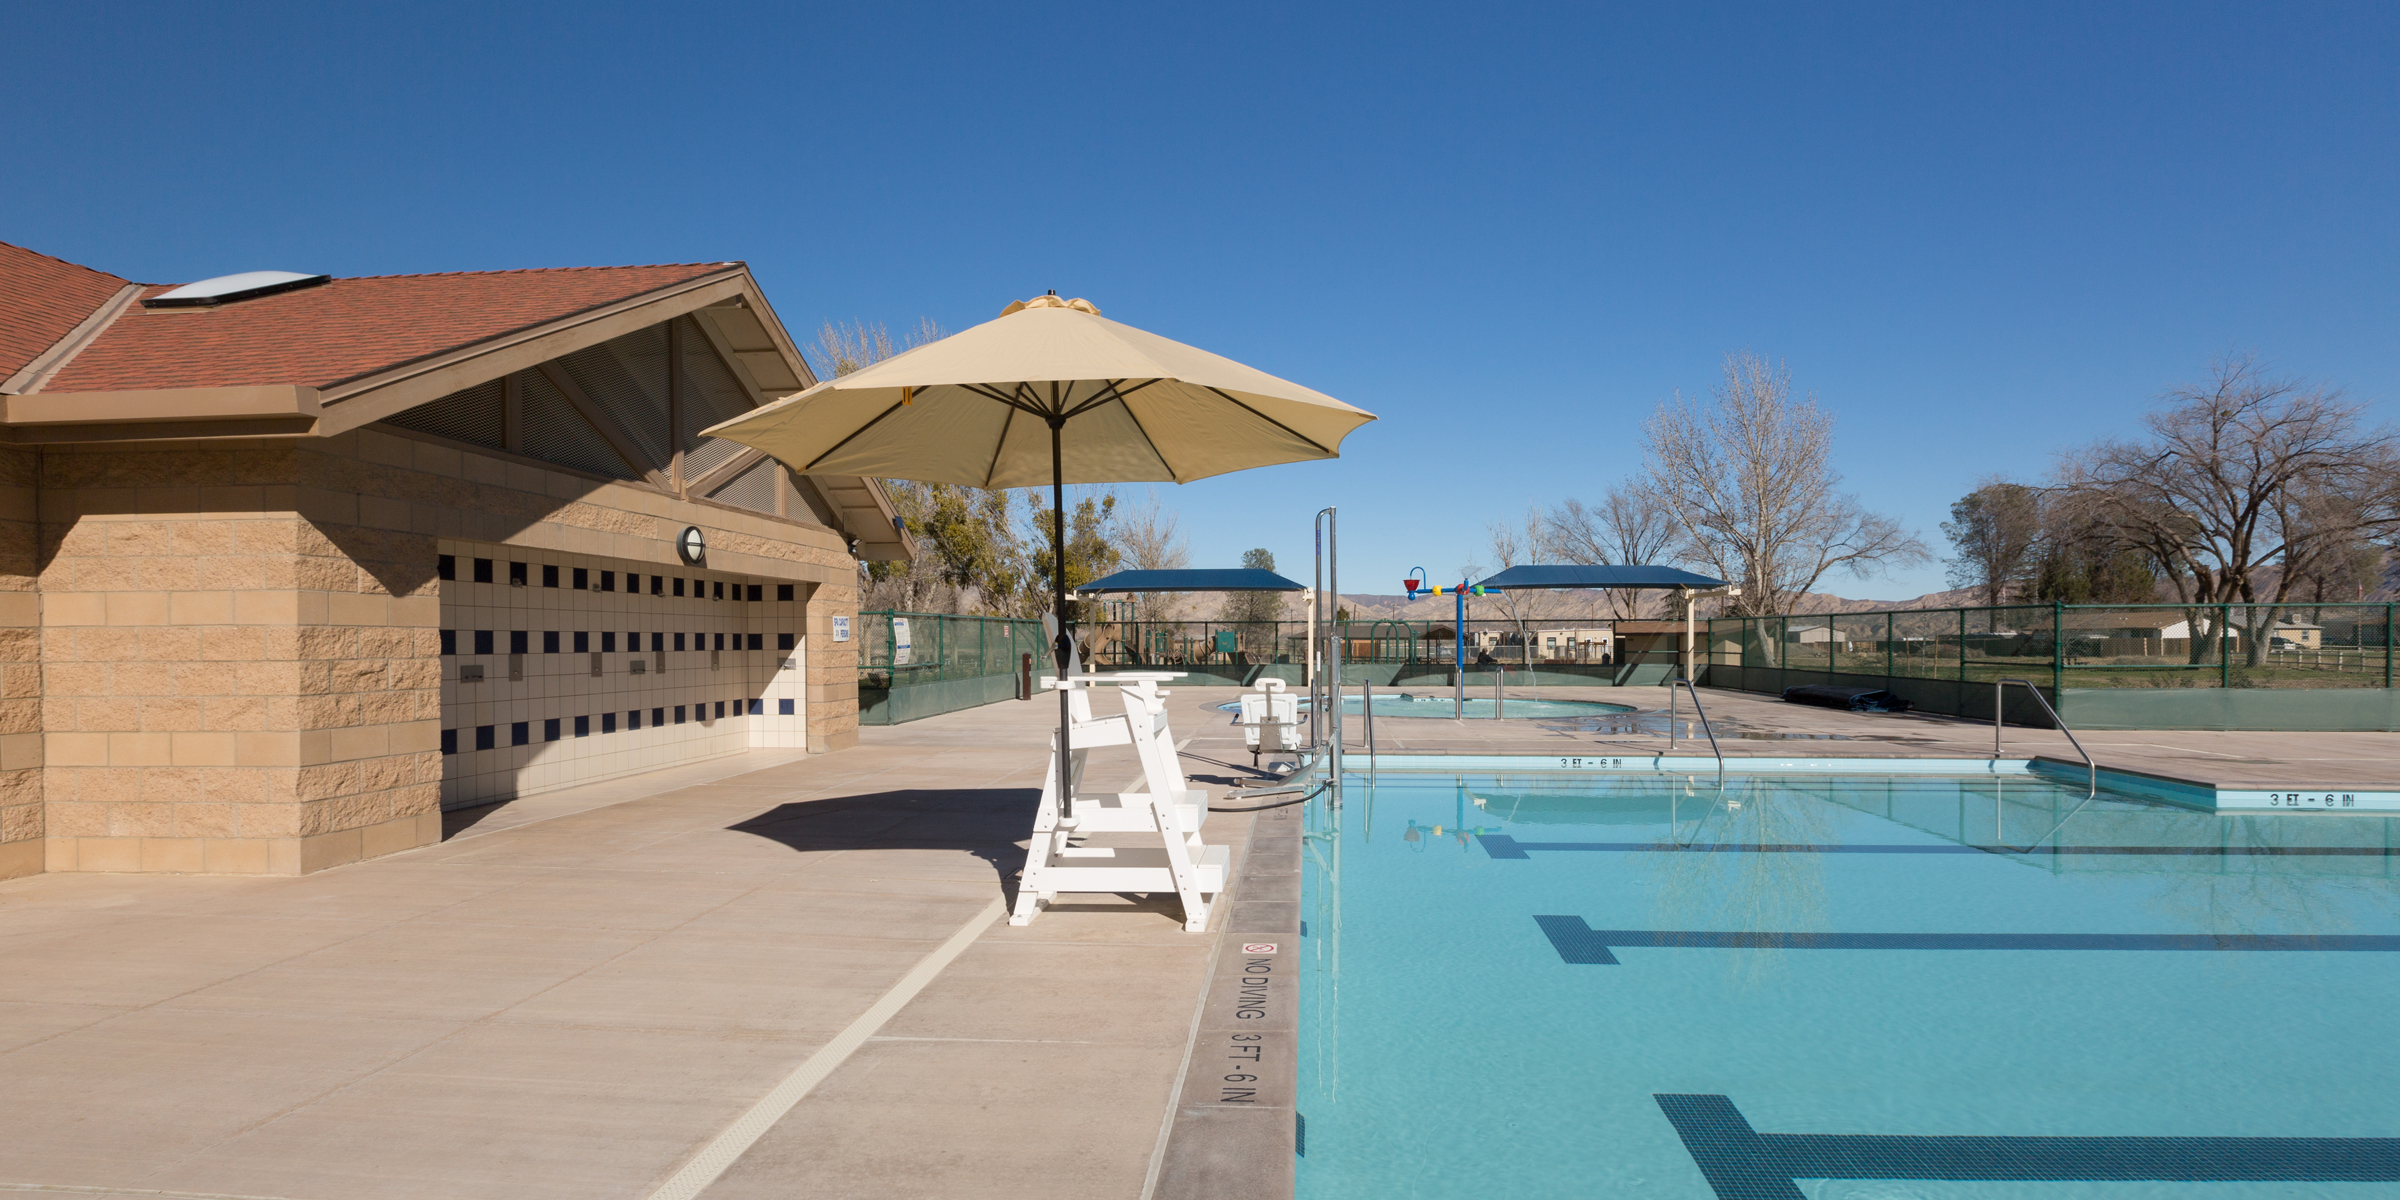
(1501, 845)
(1743, 1164)
(1580, 944)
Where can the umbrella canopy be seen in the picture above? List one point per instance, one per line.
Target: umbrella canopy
(1049, 392)
(1596, 575)
(978, 407)
(1234, 579)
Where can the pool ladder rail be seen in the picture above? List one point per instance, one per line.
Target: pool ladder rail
(2091, 768)
(1673, 719)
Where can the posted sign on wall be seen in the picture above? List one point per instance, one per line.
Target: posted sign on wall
(841, 629)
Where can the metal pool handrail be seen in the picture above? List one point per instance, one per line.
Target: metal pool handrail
(2000, 693)
(1686, 684)
(1366, 705)
(2091, 768)
(1675, 822)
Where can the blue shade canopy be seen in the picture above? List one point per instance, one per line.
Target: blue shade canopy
(1596, 576)
(1236, 579)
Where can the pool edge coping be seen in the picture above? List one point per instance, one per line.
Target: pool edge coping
(1217, 1148)
(2196, 795)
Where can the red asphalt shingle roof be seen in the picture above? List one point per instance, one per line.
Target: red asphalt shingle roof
(41, 299)
(342, 330)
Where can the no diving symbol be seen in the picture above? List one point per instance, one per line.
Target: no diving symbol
(1258, 947)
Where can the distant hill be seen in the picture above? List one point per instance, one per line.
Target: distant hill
(1578, 603)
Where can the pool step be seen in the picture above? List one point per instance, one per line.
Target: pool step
(1129, 812)
(1135, 869)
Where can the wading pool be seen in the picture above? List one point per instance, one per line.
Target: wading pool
(1443, 706)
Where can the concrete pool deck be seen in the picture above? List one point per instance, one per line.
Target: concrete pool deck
(573, 994)
(1752, 725)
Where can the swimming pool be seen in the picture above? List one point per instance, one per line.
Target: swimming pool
(1843, 987)
(1444, 706)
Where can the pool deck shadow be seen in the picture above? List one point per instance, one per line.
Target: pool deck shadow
(988, 825)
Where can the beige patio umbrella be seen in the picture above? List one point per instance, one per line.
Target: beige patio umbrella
(1050, 392)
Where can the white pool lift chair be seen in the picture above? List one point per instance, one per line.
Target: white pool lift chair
(1270, 719)
(1169, 810)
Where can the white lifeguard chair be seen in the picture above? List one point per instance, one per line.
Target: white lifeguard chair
(1270, 719)
(1173, 813)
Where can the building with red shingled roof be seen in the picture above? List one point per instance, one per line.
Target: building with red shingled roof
(289, 564)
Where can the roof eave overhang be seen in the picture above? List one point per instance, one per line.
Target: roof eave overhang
(740, 320)
(112, 416)
(370, 398)
(336, 408)
(867, 515)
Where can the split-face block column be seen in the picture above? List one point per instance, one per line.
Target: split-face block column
(21, 815)
(231, 684)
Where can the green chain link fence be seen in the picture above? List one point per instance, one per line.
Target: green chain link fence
(914, 665)
(2140, 666)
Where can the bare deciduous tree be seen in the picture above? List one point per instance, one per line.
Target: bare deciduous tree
(1514, 545)
(2344, 574)
(1628, 527)
(1254, 614)
(1150, 537)
(2237, 474)
(1750, 481)
(1997, 529)
(843, 347)
(969, 556)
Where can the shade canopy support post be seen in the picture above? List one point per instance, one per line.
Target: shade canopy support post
(1458, 650)
(1062, 648)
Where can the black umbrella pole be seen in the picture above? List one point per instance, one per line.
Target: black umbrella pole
(1062, 648)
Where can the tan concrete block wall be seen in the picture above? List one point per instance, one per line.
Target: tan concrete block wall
(22, 817)
(234, 690)
(231, 663)
(429, 487)
(832, 669)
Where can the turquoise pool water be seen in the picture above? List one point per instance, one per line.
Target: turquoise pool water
(1633, 985)
(1445, 707)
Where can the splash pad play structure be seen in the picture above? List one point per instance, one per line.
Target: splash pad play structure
(1311, 726)
(1686, 585)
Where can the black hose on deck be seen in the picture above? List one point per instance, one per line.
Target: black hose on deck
(1303, 799)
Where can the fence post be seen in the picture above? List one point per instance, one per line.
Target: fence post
(2387, 645)
(1891, 628)
(2058, 650)
(1962, 645)
(1783, 650)
(2225, 648)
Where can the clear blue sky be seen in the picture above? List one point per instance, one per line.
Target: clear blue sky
(1980, 234)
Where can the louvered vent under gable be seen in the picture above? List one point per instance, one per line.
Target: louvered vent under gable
(753, 489)
(711, 393)
(627, 376)
(471, 416)
(555, 432)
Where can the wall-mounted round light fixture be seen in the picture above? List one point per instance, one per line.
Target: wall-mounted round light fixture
(691, 545)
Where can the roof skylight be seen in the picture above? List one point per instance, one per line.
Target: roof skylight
(225, 289)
